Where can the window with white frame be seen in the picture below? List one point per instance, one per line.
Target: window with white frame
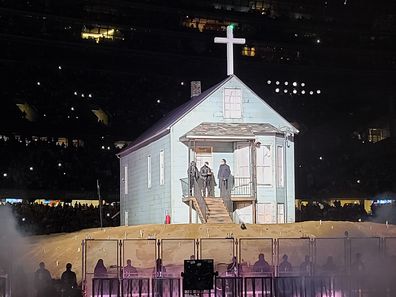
(280, 167)
(232, 103)
(162, 167)
(126, 180)
(264, 165)
(149, 172)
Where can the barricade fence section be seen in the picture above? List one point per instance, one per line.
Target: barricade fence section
(3, 285)
(246, 267)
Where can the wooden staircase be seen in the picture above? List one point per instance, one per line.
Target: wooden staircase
(217, 211)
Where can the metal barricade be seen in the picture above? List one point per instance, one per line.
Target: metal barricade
(250, 250)
(229, 286)
(136, 287)
(174, 252)
(258, 286)
(221, 250)
(3, 285)
(330, 256)
(299, 255)
(289, 286)
(365, 254)
(95, 250)
(142, 253)
(105, 287)
(166, 287)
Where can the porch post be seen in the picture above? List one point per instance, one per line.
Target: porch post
(190, 211)
(253, 177)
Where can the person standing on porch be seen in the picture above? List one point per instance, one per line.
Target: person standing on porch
(193, 175)
(223, 175)
(205, 173)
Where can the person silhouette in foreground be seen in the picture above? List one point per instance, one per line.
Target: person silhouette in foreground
(42, 281)
(285, 266)
(129, 271)
(261, 265)
(69, 281)
(100, 270)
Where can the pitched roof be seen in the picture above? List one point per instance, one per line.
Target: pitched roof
(162, 127)
(230, 130)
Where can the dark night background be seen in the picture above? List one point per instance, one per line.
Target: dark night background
(94, 74)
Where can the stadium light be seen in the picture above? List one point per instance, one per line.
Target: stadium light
(303, 84)
(277, 90)
(318, 92)
(286, 83)
(285, 91)
(294, 84)
(31, 168)
(294, 91)
(268, 82)
(277, 82)
(303, 92)
(5, 174)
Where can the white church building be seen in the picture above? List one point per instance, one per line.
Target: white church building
(227, 121)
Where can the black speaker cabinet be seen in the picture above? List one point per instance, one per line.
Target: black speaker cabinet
(198, 275)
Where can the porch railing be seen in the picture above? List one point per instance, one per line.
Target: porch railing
(242, 187)
(197, 194)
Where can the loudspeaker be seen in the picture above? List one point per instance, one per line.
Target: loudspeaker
(198, 275)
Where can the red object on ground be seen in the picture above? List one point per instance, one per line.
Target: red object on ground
(167, 219)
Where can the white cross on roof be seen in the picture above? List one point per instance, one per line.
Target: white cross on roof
(230, 41)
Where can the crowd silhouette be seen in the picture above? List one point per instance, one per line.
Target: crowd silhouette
(34, 219)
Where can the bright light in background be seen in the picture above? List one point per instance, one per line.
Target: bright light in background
(286, 83)
(103, 147)
(38, 83)
(82, 95)
(5, 174)
(358, 181)
(31, 168)
(277, 90)
(285, 91)
(59, 164)
(321, 158)
(90, 95)
(75, 93)
(303, 92)
(294, 84)
(303, 84)
(182, 83)
(317, 40)
(72, 108)
(158, 101)
(60, 67)
(310, 92)
(318, 92)
(277, 82)
(268, 82)
(294, 91)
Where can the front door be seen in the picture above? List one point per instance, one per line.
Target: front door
(204, 154)
(242, 160)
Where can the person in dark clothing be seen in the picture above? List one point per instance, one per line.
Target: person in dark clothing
(193, 176)
(261, 265)
(42, 280)
(329, 267)
(285, 266)
(234, 268)
(129, 271)
(100, 270)
(223, 175)
(205, 174)
(69, 281)
(306, 267)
